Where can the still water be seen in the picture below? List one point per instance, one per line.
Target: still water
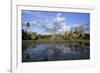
(35, 51)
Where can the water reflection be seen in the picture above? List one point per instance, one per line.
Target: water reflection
(52, 51)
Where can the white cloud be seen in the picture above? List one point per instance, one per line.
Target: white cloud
(58, 18)
(57, 24)
(74, 25)
(34, 22)
(60, 23)
(58, 14)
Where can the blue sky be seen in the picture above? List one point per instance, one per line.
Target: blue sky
(42, 20)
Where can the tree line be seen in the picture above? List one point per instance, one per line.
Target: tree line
(76, 33)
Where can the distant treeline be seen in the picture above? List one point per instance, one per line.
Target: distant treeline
(76, 33)
(27, 35)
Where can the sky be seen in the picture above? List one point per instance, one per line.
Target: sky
(46, 22)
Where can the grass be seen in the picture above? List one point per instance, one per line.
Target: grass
(57, 40)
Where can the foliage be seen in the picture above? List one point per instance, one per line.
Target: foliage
(76, 33)
(28, 24)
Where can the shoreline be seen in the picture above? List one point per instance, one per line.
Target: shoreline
(56, 40)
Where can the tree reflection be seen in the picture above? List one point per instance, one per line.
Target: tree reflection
(52, 51)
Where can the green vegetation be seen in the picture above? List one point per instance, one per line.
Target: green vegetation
(74, 34)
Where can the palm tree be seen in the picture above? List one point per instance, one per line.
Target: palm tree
(27, 25)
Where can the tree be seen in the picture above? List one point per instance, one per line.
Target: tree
(33, 35)
(27, 25)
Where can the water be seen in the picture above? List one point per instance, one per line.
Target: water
(33, 51)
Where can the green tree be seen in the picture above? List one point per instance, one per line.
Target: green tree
(33, 35)
(27, 25)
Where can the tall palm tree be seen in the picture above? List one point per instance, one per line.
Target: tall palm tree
(27, 25)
